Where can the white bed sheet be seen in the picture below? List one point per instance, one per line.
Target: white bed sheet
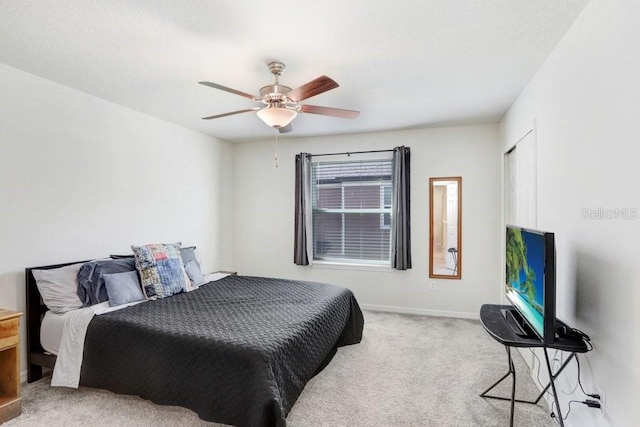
(212, 277)
(66, 371)
(52, 326)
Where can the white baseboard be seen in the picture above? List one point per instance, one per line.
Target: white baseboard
(23, 376)
(420, 311)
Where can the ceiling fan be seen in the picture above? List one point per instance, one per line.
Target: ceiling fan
(282, 104)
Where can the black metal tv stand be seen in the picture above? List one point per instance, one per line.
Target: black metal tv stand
(508, 329)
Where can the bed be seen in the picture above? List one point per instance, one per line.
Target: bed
(237, 351)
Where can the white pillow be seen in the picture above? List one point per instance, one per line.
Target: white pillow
(59, 287)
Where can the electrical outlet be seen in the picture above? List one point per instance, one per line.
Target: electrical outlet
(433, 286)
(602, 401)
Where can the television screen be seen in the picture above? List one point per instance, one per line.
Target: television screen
(530, 278)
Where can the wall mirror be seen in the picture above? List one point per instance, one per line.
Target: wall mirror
(445, 227)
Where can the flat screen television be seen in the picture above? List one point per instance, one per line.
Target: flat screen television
(531, 281)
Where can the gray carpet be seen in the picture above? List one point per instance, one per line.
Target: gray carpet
(407, 371)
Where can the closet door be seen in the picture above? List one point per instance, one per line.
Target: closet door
(521, 196)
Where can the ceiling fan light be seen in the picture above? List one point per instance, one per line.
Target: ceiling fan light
(277, 117)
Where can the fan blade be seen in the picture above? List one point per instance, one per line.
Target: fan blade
(228, 89)
(312, 88)
(329, 111)
(231, 113)
(286, 129)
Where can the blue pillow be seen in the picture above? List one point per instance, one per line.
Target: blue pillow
(123, 288)
(193, 271)
(91, 289)
(189, 254)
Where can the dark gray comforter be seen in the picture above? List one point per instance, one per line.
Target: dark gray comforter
(237, 351)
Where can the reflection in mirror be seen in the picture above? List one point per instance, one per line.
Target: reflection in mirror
(445, 230)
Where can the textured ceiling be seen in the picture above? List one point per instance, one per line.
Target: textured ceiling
(402, 64)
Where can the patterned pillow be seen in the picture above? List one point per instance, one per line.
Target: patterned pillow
(161, 270)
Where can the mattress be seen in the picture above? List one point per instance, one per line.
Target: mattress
(51, 331)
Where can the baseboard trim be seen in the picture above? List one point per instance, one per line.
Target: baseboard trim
(420, 311)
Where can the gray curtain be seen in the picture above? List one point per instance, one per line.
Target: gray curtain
(302, 240)
(401, 210)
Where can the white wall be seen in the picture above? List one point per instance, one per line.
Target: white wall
(81, 177)
(584, 101)
(264, 217)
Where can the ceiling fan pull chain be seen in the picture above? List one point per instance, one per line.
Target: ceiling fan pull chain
(275, 158)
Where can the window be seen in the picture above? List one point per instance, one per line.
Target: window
(351, 211)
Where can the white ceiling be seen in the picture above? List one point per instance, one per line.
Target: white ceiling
(401, 63)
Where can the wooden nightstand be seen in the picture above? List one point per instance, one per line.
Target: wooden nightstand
(10, 400)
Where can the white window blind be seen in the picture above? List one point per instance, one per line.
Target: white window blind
(351, 203)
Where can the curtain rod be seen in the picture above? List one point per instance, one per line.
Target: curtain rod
(348, 153)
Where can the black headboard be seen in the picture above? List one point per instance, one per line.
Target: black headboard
(36, 357)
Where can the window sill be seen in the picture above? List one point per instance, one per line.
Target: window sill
(330, 265)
